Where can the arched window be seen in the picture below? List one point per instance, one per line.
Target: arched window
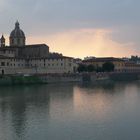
(18, 41)
(12, 41)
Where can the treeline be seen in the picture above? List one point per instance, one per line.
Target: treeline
(106, 67)
(135, 58)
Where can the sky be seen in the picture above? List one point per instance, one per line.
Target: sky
(76, 28)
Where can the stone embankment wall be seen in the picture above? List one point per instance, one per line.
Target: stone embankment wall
(84, 77)
(67, 77)
(92, 77)
(60, 78)
(124, 76)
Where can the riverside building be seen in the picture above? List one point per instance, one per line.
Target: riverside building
(21, 58)
(120, 65)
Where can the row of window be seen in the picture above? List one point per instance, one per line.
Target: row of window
(17, 41)
(8, 64)
(7, 51)
(44, 60)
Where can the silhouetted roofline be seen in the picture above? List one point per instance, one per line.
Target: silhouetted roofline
(34, 58)
(103, 59)
(25, 46)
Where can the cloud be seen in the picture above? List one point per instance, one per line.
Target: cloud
(87, 42)
(53, 20)
(56, 15)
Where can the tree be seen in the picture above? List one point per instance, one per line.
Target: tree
(108, 67)
(82, 68)
(99, 69)
(134, 58)
(90, 68)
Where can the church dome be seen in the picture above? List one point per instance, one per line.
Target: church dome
(17, 32)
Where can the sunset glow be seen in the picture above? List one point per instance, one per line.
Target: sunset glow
(85, 42)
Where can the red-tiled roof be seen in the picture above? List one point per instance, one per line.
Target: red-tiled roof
(103, 59)
(13, 47)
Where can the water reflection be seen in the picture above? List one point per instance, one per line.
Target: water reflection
(18, 101)
(26, 104)
(102, 98)
(58, 112)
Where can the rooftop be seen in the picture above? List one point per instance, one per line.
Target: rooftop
(103, 59)
(32, 45)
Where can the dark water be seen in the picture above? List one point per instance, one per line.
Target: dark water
(71, 112)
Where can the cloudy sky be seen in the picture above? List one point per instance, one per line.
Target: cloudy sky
(77, 28)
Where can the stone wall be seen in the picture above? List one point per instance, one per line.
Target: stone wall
(33, 51)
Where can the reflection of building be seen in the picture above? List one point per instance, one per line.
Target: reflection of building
(19, 57)
(18, 109)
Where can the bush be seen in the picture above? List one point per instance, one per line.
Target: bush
(108, 67)
(90, 68)
(82, 68)
(85, 68)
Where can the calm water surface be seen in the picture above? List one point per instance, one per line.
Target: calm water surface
(109, 111)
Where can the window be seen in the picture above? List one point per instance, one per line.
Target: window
(12, 41)
(18, 40)
(2, 63)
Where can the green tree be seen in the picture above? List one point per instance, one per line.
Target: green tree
(82, 68)
(134, 58)
(108, 67)
(99, 69)
(90, 68)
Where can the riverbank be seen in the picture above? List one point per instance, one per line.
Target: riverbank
(19, 80)
(64, 78)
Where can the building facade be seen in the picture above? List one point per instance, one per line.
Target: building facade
(31, 59)
(11, 65)
(120, 65)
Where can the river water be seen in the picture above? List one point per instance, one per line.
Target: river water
(109, 111)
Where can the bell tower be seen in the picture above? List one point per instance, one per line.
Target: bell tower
(2, 41)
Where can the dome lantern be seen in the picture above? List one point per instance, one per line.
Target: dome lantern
(17, 25)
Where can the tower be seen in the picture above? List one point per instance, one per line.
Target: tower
(2, 41)
(17, 36)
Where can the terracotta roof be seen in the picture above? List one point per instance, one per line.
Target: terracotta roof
(14, 47)
(103, 59)
(62, 57)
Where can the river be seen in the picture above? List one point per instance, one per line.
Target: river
(109, 111)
